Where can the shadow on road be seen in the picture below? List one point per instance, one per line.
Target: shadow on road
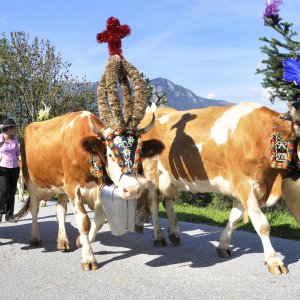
(197, 248)
(20, 233)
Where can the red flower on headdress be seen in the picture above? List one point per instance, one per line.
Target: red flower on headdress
(112, 35)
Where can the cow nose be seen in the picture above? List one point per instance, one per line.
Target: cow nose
(133, 190)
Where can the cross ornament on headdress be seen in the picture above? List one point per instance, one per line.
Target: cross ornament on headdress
(112, 35)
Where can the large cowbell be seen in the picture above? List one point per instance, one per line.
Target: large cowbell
(126, 145)
(120, 213)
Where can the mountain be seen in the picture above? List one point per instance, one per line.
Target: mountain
(181, 98)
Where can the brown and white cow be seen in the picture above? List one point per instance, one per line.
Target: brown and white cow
(56, 160)
(218, 149)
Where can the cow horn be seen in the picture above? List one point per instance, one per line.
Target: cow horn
(94, 128)
(148, 127)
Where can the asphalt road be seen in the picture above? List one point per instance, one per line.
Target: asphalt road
(132, 268)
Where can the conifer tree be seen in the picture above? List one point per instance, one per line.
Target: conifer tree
(282, 65)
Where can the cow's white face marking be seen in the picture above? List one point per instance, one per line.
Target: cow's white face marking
(82, 115)
(114, 171)
(227, 123)
(163, 119)
(129, 186)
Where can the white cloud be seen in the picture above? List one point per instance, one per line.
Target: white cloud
(211, 95)
(260, 92)
(264, 98)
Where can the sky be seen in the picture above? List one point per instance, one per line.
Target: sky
(211, 47)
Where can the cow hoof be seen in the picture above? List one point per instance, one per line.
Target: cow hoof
(36, 243)
(63, 246)
(78, 244)
(174, 238)
(89, 266)
(160, 243)
(224, 252)
(139, 229)
(277, 269)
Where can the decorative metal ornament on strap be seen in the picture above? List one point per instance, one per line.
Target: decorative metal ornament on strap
(282, 152)
(96, 168)
(126, 146)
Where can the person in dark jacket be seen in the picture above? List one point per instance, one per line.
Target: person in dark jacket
(9, 168)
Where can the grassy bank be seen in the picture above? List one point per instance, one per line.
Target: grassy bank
(283, 224)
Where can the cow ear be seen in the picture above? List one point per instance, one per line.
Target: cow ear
(151, 148)
(93, 145)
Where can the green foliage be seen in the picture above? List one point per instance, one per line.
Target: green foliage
(33, 74)
(198, 200)
(189, 213)
(220, 201)
(215, 200)
(279, 206)
(277, 50)
(153, 95)
(282, 224)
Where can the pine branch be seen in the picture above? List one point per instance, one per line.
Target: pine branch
(277, 50)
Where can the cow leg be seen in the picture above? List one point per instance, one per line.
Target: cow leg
(99, 220)
(236, 215)
(143, 213)
(139, 221)
(174, 232)
(62, 242)
(35, 239)
(88, 261)
(262, 227)
(158, 235)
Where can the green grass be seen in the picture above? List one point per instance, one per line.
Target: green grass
(282, 224)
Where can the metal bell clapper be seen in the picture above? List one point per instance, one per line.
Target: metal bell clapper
(120, 213)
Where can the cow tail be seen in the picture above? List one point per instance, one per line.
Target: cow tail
(23, 211)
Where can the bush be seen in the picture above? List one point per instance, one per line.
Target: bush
(279, 206)
(221, 201)
(206, 199)
(199, 199)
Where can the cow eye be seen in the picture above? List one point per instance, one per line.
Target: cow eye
(112, 157)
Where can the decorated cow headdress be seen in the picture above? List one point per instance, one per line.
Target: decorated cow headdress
(282, 66)
(282, 81)
(122, 120)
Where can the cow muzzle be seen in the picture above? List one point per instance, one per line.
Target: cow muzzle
(131, 186)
